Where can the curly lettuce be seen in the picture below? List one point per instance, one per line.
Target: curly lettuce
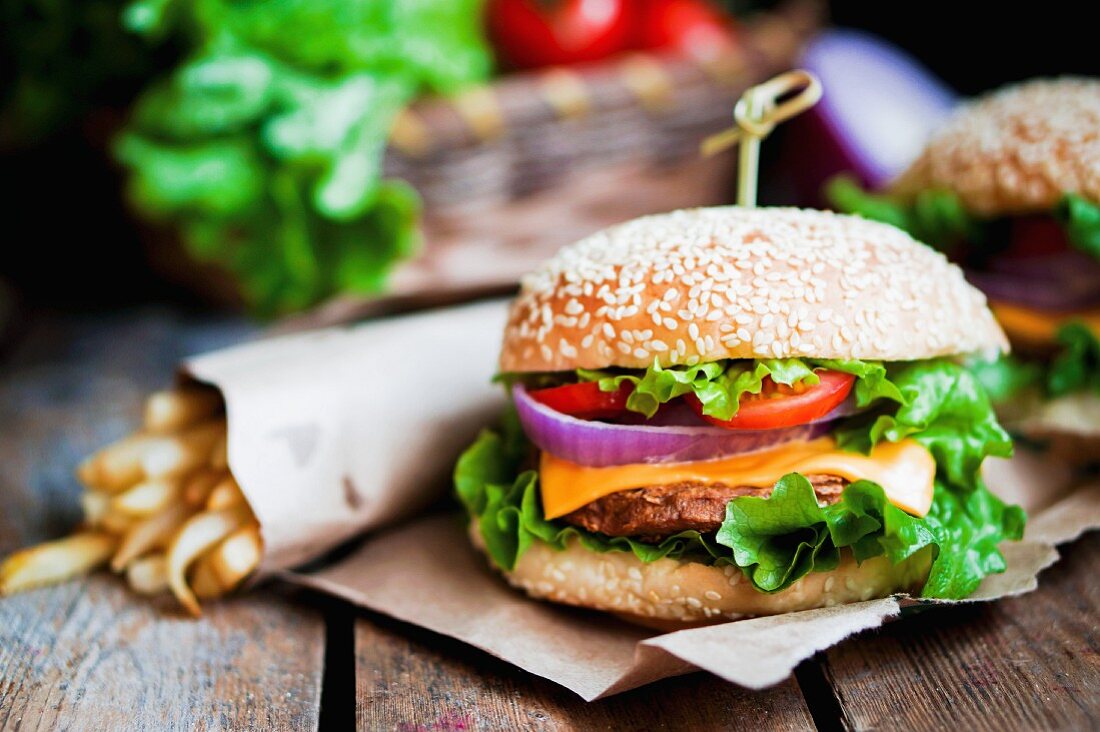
(1074, 368)
(720, 385)
(781, 538)
(935, 217)
(938, 218)
(1077, 365)
(264, 146)
(1081, 220)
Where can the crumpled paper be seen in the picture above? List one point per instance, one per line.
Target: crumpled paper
(342, 430)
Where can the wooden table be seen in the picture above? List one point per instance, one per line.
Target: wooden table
(88, 655)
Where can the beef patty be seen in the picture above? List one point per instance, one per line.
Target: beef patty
(653, 512)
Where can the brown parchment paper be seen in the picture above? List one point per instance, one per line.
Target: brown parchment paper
(427, 573)
(338, 431)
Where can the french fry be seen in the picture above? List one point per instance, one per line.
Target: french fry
(219, 456)
(236, 557)
(149, 533)
(55, 561)
(116, 523)
(117, 466)
(204, 582)
(145, 499)
(178, 409)
(95, 506)
(148, 575)
(198, 486)
(181, 453)
(226, 494)
(199, 534)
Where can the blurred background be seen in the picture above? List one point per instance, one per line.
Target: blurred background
(273, 157)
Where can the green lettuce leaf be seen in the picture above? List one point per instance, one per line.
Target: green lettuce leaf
(935, 217)
(719, 385)
(781, 538)
(872, 382)
(946, 410)
(264, 145)
(508, 510)
(1081, 219)
(1074, 368)
(1006, 377)
(1077, 366)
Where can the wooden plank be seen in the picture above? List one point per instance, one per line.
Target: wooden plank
(89, 655)
(410, 678)
(1031, 662)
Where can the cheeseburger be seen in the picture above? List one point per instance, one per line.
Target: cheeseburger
(730, 412)
(1010, 189)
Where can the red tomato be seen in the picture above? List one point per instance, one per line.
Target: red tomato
(532, 33)
(783, 406)
(584, 400)
(1036, 236)
(692, 27)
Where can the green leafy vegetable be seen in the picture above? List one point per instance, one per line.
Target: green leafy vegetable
(1081, 219)
(719, 385)
(935, 217)
(946, 410)
(1006, 377)
(1074, 368)
(781, 538)
(509, 512)
(1077, 366)
(264, 147)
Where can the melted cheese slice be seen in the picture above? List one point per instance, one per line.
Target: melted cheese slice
(1036, 326)
(905, 470)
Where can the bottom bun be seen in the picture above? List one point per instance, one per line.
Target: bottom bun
(670, 593)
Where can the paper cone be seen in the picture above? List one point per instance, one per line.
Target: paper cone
(339, 431)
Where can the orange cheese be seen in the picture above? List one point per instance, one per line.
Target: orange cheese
(905, 470)
(1028, 325)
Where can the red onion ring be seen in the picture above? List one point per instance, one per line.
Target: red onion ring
(600, 444)
(879, 107)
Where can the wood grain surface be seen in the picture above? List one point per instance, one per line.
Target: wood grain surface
(1030, 662)
(87, 654)
(409, 678)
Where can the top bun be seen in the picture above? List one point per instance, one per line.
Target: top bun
(713, 283)
(1017, 150)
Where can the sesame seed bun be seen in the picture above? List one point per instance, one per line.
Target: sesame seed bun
(670, 594)
(1017, 150)
(714, 283)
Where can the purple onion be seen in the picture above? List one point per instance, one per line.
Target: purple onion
(878, 109)
(600, 444)
(1049, 285)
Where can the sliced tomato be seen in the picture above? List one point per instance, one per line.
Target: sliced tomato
(585, 400)
(778, 405)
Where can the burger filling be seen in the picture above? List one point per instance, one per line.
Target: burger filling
(1042, 275)
(774, 466)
